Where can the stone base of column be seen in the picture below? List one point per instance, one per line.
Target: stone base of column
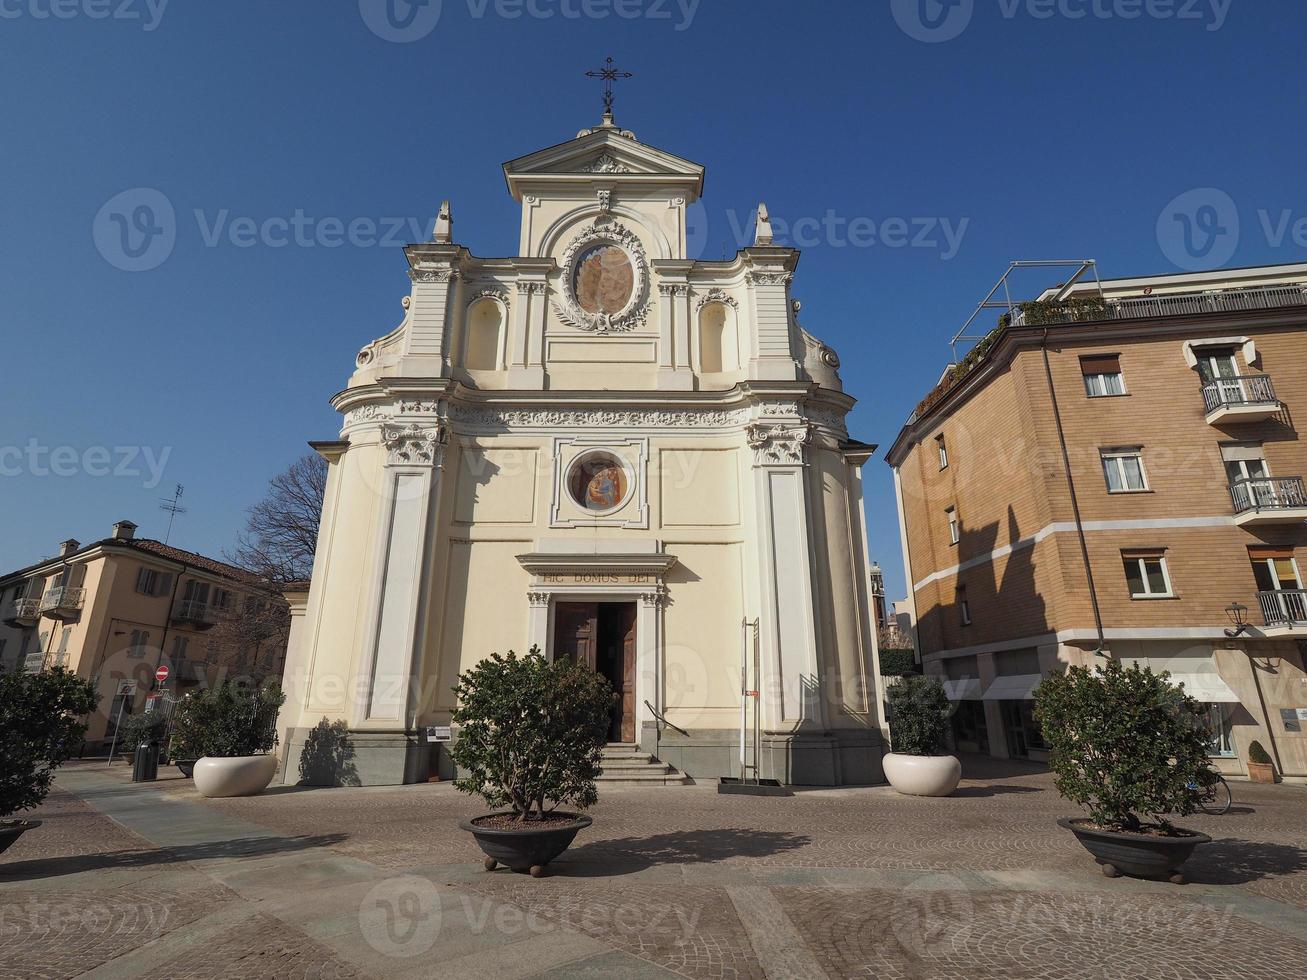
(361, 758)
(847, 757)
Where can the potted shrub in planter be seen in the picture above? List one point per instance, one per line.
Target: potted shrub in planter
(231, 729)
(39, 731)
(919, 763)
(144, 729)
(530, 734)
(1260, 767)
(1128, 745)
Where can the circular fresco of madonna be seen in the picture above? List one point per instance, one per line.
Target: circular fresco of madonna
(597, 482)
(603, 280)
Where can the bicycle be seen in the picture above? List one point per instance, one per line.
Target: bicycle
(1215, 798)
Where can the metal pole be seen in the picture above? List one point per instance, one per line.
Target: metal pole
(744, 693)
(757, 702)
(117, 725)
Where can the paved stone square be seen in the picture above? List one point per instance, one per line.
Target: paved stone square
(150, 880)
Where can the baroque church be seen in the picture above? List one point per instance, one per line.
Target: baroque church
(613, 452)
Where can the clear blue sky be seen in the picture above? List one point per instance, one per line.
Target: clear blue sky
(1049, 136)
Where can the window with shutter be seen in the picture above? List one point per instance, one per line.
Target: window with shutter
(1102, 373)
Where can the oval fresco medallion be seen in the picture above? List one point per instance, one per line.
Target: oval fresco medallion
(604, 280)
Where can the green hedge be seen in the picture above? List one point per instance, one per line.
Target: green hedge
(896, 663)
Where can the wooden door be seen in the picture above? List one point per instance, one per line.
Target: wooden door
(627, 633)
(576, 625)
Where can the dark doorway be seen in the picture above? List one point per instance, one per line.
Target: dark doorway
(601, 635)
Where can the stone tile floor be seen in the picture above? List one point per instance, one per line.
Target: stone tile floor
(152, 881)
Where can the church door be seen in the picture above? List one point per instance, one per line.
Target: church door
(575, 632)
(601, 635)
(622, 675)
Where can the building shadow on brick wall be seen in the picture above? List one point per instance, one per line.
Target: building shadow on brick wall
(1010, 607)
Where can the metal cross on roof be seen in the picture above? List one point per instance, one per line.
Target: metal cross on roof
(609, 74)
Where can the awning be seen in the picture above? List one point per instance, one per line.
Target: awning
(963, 689)
(1014, 687)
(1208, 688)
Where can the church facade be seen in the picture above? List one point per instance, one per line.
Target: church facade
(612, 452)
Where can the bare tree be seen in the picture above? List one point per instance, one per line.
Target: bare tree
(281, 531)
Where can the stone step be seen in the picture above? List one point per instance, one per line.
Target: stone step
(623, 764)
(669, 778)
(651, 766)
(626, 759)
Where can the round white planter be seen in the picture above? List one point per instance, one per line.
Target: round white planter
(923, 775)
(242, 775)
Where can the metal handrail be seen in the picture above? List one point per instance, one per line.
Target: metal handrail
(1268, 493)
(194, 610)
(25, 608)
(1284, 607)
(63, 597)
(663, 720)
(1245, 389)
(1179, 304)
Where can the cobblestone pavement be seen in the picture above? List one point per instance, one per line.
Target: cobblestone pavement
(152, 881)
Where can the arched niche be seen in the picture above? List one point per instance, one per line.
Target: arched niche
(719, 346)
(483, 342)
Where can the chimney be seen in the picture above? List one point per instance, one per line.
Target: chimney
(124, 531)
(68, 547)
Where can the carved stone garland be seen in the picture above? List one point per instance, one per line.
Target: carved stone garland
(637, 308)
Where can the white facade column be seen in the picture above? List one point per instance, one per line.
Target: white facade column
(527, 366)
(649, 668)
(790, 693)
(772, 358)
(427, 340)
(394, 621)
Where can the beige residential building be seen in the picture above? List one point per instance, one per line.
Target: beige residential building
(1117, 470)
(117, 610)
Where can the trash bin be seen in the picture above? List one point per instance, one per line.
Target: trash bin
(146, 764)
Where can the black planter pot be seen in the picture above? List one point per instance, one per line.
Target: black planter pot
(530, 848)
(11, 830)
(187, 766)
(1136, 854)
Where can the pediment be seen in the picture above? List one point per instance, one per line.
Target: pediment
(603, 154)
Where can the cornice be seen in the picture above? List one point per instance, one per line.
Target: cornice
(538, 563)
(1131, 331)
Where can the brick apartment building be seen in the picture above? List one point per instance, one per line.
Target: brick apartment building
(1118, 466)
(115, 610)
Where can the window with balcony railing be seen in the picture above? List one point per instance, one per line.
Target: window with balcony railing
(1280, 593)
(1268, 493)
(1238, 390)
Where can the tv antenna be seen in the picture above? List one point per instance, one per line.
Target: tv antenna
(173, 507)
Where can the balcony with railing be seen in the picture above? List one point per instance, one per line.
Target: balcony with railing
(1247, 398)
(1172, 304)
(21, 612)
(194, 612)
(1269, 500)
(63, 602)
(1284, 611)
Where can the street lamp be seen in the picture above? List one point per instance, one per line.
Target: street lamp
(1238, 614)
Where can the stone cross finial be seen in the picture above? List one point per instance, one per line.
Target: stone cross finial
(762, 234)
(444, 233)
